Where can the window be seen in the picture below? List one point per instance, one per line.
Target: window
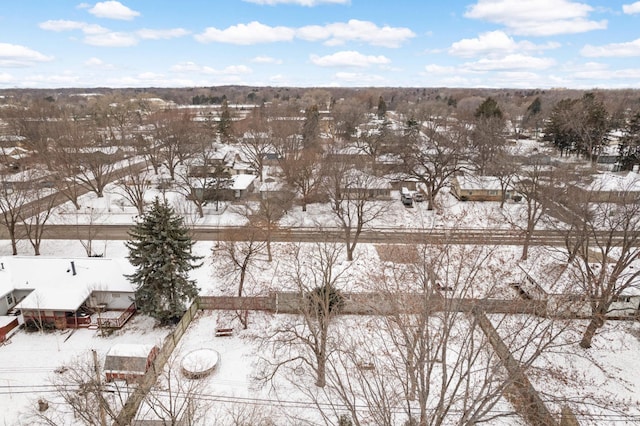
(115, 294)
(10, 299)
(493, 192)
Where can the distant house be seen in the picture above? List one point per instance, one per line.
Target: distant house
(242, 184)
(66, 293)
(358, 182)
(274, 189)
(354, 155)
(228, 189)
(402, 180)
(470, 187)
(561, 286)
(610, 187)
(129, 362)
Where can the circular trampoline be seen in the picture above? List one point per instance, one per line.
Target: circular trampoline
(199, 363)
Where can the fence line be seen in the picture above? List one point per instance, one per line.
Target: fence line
(374, 303)
(131, 406)
(520, 391)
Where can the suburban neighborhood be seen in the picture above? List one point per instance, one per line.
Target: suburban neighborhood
(399, 223)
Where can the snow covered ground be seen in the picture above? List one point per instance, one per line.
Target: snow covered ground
(606, 371)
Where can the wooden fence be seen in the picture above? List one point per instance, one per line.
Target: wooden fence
(131, 406)
(375, 303)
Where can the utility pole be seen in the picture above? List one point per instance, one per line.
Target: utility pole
(96, 367)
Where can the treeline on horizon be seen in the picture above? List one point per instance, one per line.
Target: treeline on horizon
(393, 96)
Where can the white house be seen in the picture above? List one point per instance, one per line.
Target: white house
(562, 286)
(66, 292)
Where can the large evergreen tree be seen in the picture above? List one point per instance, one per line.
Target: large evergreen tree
(225, 122)
(629, 147)
(160, 250)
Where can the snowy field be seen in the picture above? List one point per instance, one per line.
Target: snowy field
(600, 384)
(605, 373)
(29, 361)
(113, 208)
(566, 375)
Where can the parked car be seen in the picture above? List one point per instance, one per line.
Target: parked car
(418, 197)
(406, 197)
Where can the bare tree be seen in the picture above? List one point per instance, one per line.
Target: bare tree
(266, 213)
(12, 200)
(348, 114)
(96, 170)
(35, 219)
(438, 158)
(423, 359)
(202, 180)
(352, 195)
(536, 186)
(89, 229)
(603, 244)
(256, 143)
(81, 394)
(240, 256)
(302, 173)
(174, 132)
(135, 184)
(504, 167)
(36, 122)
(176, 400)
(304, 340)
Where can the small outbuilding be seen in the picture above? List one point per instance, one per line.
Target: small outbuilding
(129, 361)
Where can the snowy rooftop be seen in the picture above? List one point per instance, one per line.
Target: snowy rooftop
(475, 182)
(552, 274)
(130, 350)
(615, 182)
(54, 284)
(242, 182)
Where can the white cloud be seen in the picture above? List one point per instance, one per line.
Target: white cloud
(94, 62)
(332, 34)
(5, 78)
(236, 70)
(628, 49)
(113, 10)
(494, 43)
(354, 30)
(308, 3)
(631, 9)
(98, 63)
(161, 34)
(63, 25)
(359, 79)
(192, 67)
(602, 72)
(245, 34)
(266, 60)
(15, 55)
(113, 39)
(150, 76)
(513, 62)
(348, 58)
(439, 69)
(537, 17)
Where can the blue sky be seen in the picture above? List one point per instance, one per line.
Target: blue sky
(432, 43)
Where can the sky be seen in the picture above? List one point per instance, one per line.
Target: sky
(320, 43)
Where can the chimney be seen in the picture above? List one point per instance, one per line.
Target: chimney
(73, 268)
